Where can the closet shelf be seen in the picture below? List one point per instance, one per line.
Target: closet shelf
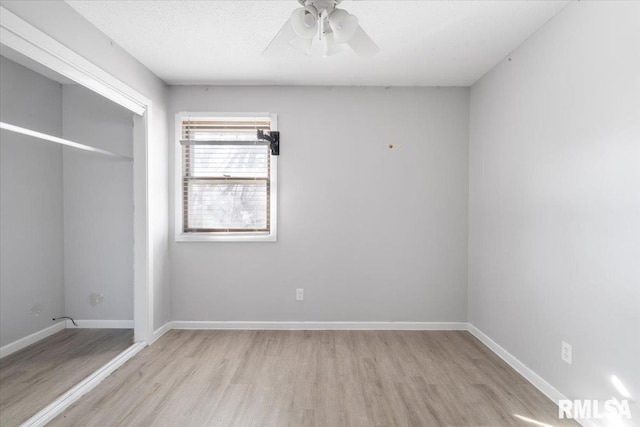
(62, 141)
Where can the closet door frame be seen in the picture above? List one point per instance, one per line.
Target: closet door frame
(26, 39)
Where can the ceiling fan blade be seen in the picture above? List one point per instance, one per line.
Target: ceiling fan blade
(303, 45)
(281, 41)
(362, 44)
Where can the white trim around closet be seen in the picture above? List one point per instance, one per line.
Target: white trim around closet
(24, 38)
(31, 42)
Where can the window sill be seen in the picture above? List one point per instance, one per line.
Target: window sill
(226, 237)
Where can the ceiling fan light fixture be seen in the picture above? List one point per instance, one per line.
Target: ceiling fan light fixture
(336, 29)
(330, 47)
(343, 24)
(304, 22)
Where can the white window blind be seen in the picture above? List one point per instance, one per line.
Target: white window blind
(226, 179)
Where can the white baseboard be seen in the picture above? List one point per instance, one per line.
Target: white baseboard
(323, 326)
(30, 339)
(536, 380)
(44, 333)
(74, 394)
(546, 388)
(161, 331)
(101, 324)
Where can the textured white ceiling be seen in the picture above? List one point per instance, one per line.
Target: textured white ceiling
(423, 43)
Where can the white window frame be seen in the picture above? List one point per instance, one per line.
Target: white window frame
(180, 236)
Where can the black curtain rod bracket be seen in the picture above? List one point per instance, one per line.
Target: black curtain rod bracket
(274, 140)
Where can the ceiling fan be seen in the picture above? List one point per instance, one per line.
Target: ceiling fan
(334, 28)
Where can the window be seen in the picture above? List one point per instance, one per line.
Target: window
(227, 188)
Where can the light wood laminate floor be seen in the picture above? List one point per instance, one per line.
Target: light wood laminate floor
(33, 377)
(313, 378)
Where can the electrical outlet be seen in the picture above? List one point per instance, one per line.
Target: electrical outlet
(95, 299)
(36, 310)
(567, 353)
(299, 294)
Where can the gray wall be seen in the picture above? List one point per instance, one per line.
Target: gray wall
(98, 207)
(31, 224)
(60, 21)
(371, 234)
(554, 246)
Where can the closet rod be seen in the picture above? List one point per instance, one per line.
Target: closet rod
(46, 137)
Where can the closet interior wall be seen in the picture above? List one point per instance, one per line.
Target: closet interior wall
(98, 208)
(31, 205)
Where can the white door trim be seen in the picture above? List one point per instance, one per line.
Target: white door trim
(23, 37)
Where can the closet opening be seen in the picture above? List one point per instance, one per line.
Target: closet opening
(68, 231)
